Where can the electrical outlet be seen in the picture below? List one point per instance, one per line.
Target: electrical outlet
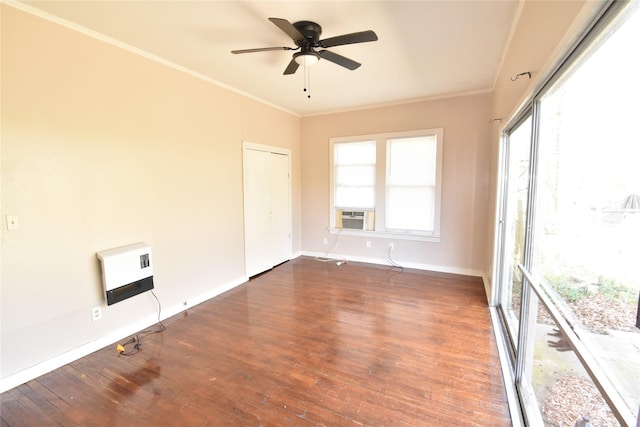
(368, 244)
(96, 313)
(325, 241)
(391, 246)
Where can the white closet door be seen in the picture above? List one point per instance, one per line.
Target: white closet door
(267, 209)
(280, 209)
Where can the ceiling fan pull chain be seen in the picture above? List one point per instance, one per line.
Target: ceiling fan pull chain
(307, 81)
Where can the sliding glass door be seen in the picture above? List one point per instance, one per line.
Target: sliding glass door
(517, 165)
(568, 286)
(587, 222)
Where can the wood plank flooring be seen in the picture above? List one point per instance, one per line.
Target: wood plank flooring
(308, 343)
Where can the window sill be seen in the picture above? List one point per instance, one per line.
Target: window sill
(398, 235)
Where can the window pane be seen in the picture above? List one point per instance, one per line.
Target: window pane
(412, 161)
(411, 180)
(587, 210)
(354, 197)
(354, 174)
(355, 153)
(515, 215)
(563, 390)
(410, 208)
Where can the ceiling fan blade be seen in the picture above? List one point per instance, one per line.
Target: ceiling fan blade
(261, 49)
(291, 68)
(339, 59)
(288, 28)
(359, 37)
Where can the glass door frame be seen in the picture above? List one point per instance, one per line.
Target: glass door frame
(521, 355)
(501, 259)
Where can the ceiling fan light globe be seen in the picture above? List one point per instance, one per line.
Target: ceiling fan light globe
(306, 59)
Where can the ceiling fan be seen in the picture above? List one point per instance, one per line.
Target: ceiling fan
(306, 36)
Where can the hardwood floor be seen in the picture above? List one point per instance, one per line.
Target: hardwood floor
(308, 343)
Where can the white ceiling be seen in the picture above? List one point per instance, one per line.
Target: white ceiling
(425, 48)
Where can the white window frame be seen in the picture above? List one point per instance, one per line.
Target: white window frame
(381, 186)
(535, 291)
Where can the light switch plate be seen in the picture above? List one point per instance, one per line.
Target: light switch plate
(12, 222)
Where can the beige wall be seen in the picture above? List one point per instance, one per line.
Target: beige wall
(103, 148)
(465, 120)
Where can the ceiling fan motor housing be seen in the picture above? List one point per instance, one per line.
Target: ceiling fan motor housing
(311, 32)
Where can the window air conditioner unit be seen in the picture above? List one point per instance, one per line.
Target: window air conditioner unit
(354, 219)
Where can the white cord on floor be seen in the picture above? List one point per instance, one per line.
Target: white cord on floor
(390, 261)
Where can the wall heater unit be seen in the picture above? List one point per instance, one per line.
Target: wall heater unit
(126, 271)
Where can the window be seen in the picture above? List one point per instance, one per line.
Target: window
(411, 183)
(514, 214)
(396, 175)
(569, 230)
(355, 174)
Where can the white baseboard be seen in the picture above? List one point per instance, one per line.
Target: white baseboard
(488, 290)
(179, 308)
(381, 261)
(56, 362)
